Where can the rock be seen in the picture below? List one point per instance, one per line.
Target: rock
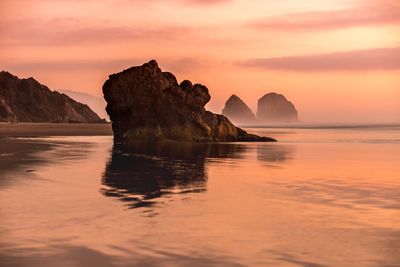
(238, 112)
(6, 113)
(145, 103)
(275, 107)
(26, 100)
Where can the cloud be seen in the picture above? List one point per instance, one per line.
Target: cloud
(180, 64)
(206, 2)
(169, 2)
(385, 12)
(78, 64)
(75, 31)
(357, 60)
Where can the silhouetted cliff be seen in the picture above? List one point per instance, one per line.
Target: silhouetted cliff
(26, 100)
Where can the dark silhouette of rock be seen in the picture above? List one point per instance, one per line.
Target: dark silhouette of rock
(145, 103)
(238, 112)
(6, 113)
(26, 100)
(275, 107)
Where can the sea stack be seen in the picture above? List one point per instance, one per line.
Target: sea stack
(26, 100)
(146, 104)
(276, 108)
(238, 112)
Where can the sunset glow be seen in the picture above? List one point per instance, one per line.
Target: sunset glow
(337, 60)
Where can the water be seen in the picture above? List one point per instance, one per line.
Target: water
(320, 197)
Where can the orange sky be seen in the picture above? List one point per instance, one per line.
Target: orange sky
(337, 60)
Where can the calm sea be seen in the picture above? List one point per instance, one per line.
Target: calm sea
(319, 197)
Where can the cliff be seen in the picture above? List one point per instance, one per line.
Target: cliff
(26, 100)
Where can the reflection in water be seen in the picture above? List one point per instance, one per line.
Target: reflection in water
(271, 153)
(144, 172)
(22, 156)
(82, 256)
(284, 204)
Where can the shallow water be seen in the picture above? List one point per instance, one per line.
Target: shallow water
(319, 197)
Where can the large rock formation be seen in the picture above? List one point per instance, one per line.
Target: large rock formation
(276, 108)
(238, 112)
(26, 100)
(145, 103)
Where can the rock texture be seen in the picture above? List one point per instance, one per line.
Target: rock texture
(275, 107)
(26, 100)
(145, 103)
(238, 112)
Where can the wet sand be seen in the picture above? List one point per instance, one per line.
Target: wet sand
(21, 147)
(316, 198)
(54, 129)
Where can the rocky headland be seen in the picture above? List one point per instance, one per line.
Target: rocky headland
(26, 100)
(145, 103)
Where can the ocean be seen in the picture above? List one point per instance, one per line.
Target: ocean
(321, 196)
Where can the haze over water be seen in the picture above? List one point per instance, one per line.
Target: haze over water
(319, 197)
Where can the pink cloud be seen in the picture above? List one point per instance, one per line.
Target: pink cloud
(206, 2)
(385, 12)
(75, 31)
(177, 64)
(356, 60)
(179, 2)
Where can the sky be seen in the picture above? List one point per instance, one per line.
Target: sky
(338, 61)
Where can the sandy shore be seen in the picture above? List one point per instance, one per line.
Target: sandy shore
(53, 129)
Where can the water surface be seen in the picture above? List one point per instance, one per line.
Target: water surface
(319, 197)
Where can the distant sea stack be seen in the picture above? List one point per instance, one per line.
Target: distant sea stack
(276, 108)
(238, 112)
(26, 100)
(145, 103)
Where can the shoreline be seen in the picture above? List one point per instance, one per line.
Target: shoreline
(54, 129)
(320, 126)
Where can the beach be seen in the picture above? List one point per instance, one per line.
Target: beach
(318, 197)
(53, 129)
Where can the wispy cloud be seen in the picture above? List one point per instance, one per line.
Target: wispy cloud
(180, 64)
(385, 12)
(150, 2)
(206, 2)
(356, 60)
(74, 31)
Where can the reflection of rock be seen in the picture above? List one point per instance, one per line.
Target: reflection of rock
(237, 111)
(272, 153)
(145, 103)
(274, 107)
(144, 172)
